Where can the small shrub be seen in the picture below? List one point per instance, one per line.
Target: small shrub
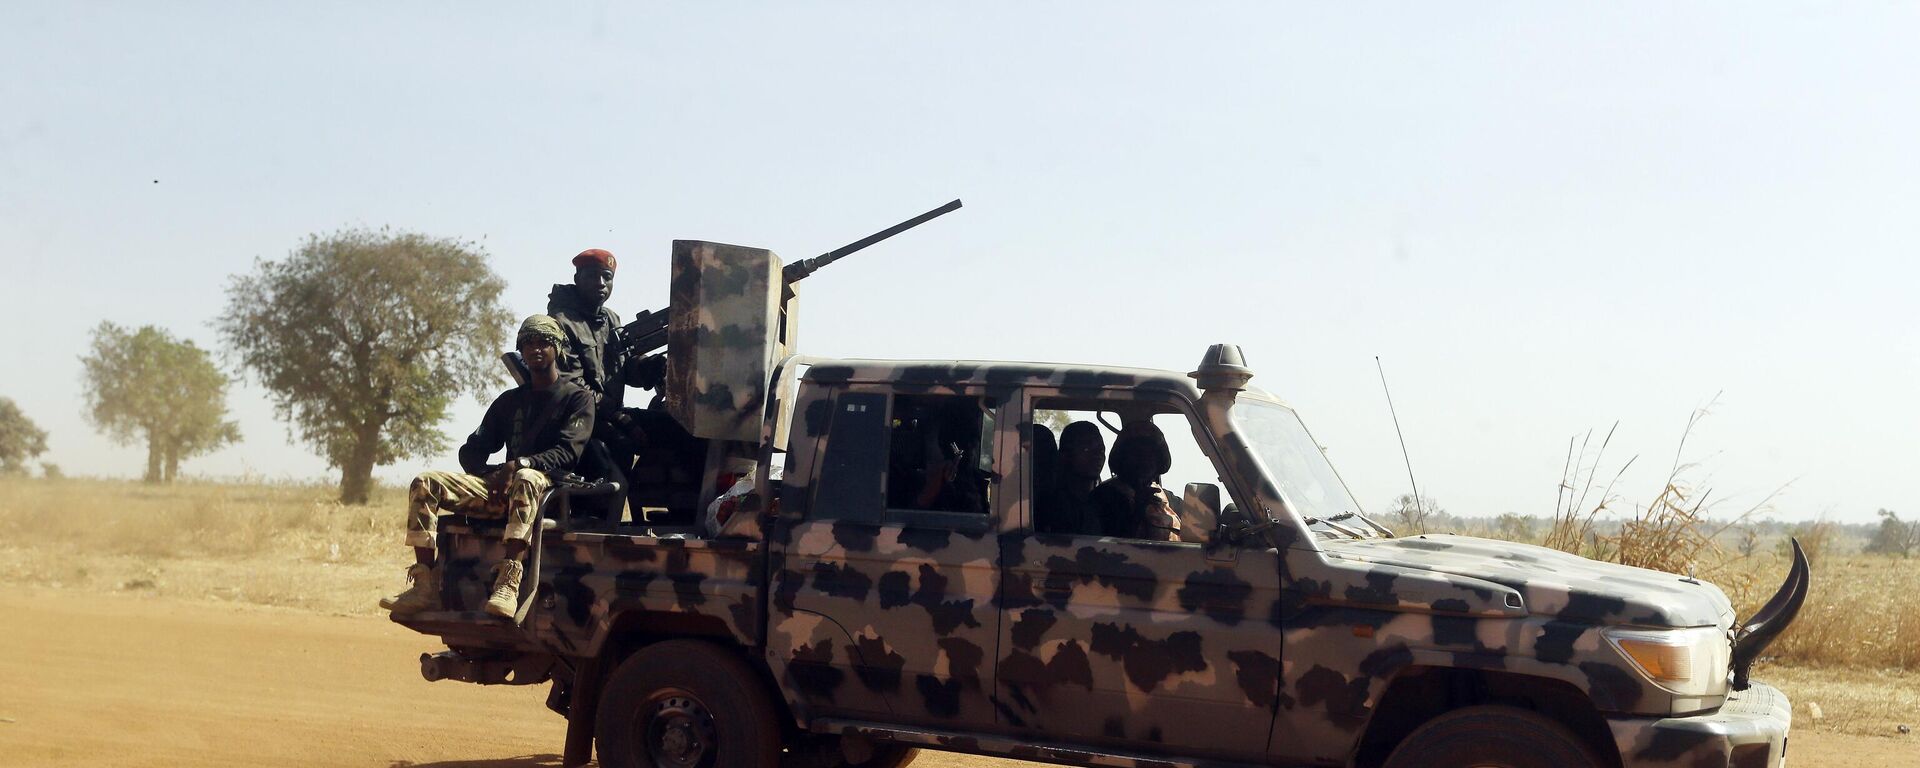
(1818, 539)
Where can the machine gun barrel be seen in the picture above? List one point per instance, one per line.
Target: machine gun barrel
(800, 269)
(647, 332)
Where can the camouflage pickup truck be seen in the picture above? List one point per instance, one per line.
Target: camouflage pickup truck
(882, 582)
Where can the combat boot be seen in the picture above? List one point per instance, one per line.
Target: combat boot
(422, 595)
(506, 589)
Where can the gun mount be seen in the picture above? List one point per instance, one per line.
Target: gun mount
(647, 332)
(731, 318)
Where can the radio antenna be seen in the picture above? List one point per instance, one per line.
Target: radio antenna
(1418, 505)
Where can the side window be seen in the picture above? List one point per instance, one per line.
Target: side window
(906, 454)
(940, 454)
(855, 464)
(1089, 479)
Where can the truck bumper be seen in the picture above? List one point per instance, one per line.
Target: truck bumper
(1749, 731)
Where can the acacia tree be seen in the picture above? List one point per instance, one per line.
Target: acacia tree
(20, 438)
(364, 337)
(1895, 536)
(1410, 515)
(146, 385)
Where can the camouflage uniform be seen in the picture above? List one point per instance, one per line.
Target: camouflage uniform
(470, 496)
(547, 429)
(543, 430)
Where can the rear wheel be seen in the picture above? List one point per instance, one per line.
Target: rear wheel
(889, 756)
(816, 751)
(686, 704)
(1492, 737)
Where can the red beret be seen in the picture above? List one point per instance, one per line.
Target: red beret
(595, 257)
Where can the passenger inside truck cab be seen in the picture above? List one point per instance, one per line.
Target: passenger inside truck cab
(1063, 500)
(938, 456)
(1044, 446)
(1134, 491)
(1133, 504)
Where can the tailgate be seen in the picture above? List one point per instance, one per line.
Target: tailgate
(595, 584)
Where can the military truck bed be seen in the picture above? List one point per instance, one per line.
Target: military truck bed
(594, 585)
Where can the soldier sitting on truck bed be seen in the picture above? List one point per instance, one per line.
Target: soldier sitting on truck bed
(543, 426)
(1067, 504)
(596, 360)
(1132, 503)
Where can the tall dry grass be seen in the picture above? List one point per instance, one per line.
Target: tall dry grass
(198, 519)
(1573, 527)
(1678, 530)
(277, 544)
(1861, 610)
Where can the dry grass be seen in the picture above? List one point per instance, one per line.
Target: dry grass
(1866, 702)
(1572, 527)
(1675, 531)
(1862, 611)
(290, 545)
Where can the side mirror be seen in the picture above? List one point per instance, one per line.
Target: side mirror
(1199, 510)
(1235, 528)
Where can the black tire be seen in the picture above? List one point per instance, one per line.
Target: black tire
(816, 751)
(686, 704)
(1493, 737)
(889, 756)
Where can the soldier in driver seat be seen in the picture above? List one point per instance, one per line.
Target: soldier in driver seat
(1132, 503)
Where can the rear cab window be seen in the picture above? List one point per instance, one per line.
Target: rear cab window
(900, 458)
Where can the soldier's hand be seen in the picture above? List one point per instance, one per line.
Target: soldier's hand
(648, 372)
(629, 429)
(497, 484)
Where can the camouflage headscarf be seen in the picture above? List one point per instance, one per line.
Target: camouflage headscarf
(542, 326)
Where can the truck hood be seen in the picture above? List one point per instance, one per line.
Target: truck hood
(1552, 583)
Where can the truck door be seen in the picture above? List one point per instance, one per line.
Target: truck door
(886, 579)
(1132, 644)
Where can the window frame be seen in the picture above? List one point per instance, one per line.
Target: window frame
(963, 522)
(1196, 428)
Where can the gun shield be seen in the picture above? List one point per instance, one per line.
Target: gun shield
(730, 322)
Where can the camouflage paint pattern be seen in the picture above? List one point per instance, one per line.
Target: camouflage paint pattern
(1330, 623)
(1278, 649)
(729, 323)
(432, 492)
(1749, 732)
(595, 585)
(875, 620)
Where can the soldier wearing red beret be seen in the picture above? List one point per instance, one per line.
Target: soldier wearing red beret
(596, 258)
(593, 357)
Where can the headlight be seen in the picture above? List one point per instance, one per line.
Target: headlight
(1685, 662)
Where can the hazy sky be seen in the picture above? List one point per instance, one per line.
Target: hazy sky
(1543, 219)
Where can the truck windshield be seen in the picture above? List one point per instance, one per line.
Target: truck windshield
(1296, 464)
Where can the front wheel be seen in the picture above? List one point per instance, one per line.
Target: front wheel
(686, 704)
(1492, 737)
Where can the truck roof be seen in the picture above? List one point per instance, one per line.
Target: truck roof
(936, 374)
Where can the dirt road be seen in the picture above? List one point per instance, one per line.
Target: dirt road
(88, 679)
